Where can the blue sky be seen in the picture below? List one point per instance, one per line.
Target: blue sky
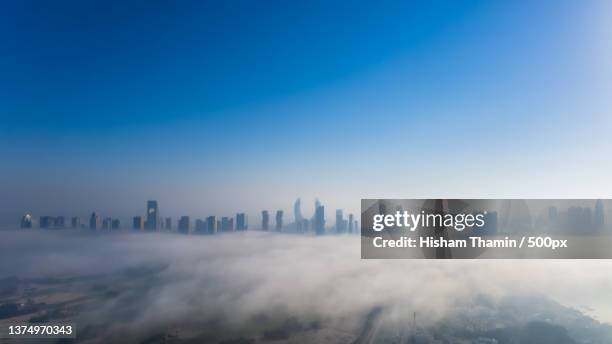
(228, 106)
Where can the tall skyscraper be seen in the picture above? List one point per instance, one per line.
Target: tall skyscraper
(319, 220)
(26, 221)
(106, 223)
(350, 223)
(115, 224)
(168, 226)
(183, 225)
(138, 223)
(227, 224)
(265, 220)
(200, 226)
(75, 222)
(339, 221)
(152, 216)
(241, 222)
(279, 220)
(297, 212)
(94, 221)
(211, 224)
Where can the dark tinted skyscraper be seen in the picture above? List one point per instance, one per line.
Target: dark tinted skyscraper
(241, 222)
(279, 220)
(94, 221)
(183, 225)
(339, 221)
(152, 216)
(26, 221)
(211, 224)
(137, 223)
(319, 220)
(265, 220)
(227, 224)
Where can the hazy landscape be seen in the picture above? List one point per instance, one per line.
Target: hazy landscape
(268, 287)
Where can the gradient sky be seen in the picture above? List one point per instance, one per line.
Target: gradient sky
(213, 108)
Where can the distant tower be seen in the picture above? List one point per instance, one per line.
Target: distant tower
(168, 226)
(115, 224)
(319, 220)
(75, 222)
(137, 223)
(241, 222)
(227, 224)
(279, 220)
(94, 221)
(265, 220)
(152, 215)
(339, 221)
(211, 224)
(26, 221)
(297, 211)
(351, 224)
(183, 225)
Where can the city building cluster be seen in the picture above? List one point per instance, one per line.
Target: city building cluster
(152, 221)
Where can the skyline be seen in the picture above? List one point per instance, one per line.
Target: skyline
(211, 107)
(154, 221)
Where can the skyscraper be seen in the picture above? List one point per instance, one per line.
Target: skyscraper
(297, 211)
(200, 226)
(75, 222)
(94, 221)
(241, 222)
(137, 223)
(279, 220)
(168, 226)
(183, 225)
(319, 220)
(339, 221)
(26, 221)
(115, 224)
(350, 223)
(265, 220)
(227, 224)
(152, 215)
(211, 224)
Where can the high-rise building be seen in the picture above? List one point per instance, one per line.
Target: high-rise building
(350, 223)
(279, 220)
(200, 226)
(297, 212)
(211, 224)
(106, 223)
(152, 216)
(75, 222)
(138, 223)
(183, 225)
(265, 220)
(339, 221)
(26, 221)
(227, 224)
(168, 226)
(94, 221)
(115, 224)
(241, 222)
(357, 229)
(319, 220)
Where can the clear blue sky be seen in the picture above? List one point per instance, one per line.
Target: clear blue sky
(243, 105)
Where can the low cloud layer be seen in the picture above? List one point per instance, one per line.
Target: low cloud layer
(235, 278)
